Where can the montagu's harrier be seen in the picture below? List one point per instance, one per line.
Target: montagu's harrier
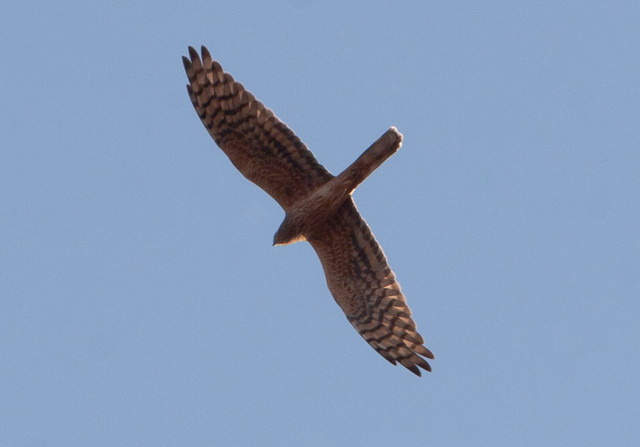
(318, 206)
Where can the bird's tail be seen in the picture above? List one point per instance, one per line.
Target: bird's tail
(383, 148)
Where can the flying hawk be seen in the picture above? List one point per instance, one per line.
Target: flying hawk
(318, 206)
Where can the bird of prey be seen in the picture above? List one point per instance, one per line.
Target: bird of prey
(318, 206)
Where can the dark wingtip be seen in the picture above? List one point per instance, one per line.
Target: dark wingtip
(193, 53)
(186, 62)
(428, 354)
(205, 52)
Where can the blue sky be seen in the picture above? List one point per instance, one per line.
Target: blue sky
(141, 302)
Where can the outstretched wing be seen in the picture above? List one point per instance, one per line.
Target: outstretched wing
(263, 148)
(366, 289)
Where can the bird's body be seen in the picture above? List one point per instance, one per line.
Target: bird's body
(306, 219)
(318, 206)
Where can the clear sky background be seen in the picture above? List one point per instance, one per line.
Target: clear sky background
(141, 302)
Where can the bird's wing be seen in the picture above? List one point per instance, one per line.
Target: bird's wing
(366, 289)
(263, 148)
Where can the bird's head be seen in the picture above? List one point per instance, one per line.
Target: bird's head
(287, 233)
